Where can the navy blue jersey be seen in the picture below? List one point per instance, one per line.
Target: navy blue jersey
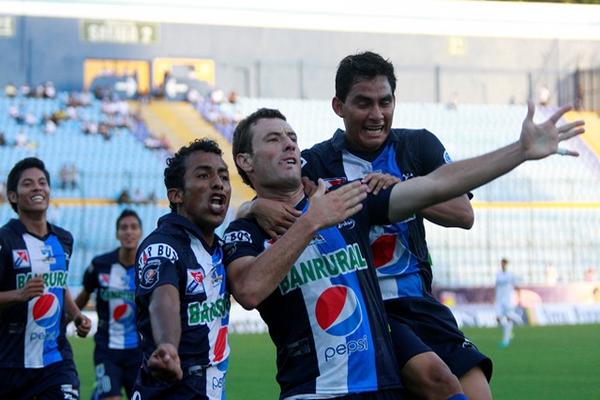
(326, 318)
(32, 334)
(114, 285)
(398, 249)
(175, 254)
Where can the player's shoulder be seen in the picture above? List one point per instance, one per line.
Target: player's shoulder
(410, 136)
(63, 235)
(106, 258)
(242, 230)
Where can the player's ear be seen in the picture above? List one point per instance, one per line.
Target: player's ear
(12, 197)
(338, 106)
(175, 196)
(244, 161)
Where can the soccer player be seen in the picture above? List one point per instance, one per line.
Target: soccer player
(181, 295)
(111, 276)
(36, 360)
(315, 286)
(506, 314)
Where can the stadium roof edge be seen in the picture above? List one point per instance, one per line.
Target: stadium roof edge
(428, 17)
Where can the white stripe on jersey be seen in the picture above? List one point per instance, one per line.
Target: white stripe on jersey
(34, 334)
(212, 290)
(333, 376)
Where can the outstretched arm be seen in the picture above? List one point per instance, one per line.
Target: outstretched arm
(536, 141)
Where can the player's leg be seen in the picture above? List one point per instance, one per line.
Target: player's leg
(131, 362)
(423, 373)
(475, 385)
(60, 382)
(108, 374)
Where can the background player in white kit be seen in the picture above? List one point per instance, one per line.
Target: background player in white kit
(506, 314)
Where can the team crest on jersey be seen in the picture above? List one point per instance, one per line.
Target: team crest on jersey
(48, 254)
(149, 274)
(21, 259)
(195, 281)
(317, 239)
(215, 276)
(237, 236)
(160, 250)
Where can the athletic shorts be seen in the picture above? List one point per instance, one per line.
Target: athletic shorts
(422, 324)
(57, 381)
(198, 383)
(116, 369)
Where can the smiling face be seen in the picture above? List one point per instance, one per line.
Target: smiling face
(129, 232)
(275, 159)
(368, 112)
(32, 194)
(205, 196)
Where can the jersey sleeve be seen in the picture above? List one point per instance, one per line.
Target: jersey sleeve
(377, 207)
(242, 238)
(90, 278)
(158, 264)
(5, 260)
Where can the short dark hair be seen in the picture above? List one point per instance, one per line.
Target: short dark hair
(175, 170)
(242, 136)
(15, 174)
(366, 65)
(128, 213)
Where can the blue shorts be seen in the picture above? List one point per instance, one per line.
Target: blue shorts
(422, 324)
(57, 381)
(198, 383)
(116, 369)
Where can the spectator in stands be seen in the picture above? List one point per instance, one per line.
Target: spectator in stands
(506, 284)
(49, 126)
(68, 176)
(49, 90)
(2, 139)
(21, 140)
(124, 197)
(544, 96)
(10, 90)
(25, 90)
(590, 275)
(137, 197)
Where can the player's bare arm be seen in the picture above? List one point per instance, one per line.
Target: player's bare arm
(164, 362)
(254, 278)
(83, 324)
(536, 141)
(454, 213)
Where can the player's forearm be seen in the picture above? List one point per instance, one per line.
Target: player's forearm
(164, 315)
(257, 281)
(71, 309)
(455, 213)
(82, 299)
(452, 180)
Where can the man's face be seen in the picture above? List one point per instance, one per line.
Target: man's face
(205, 197)
(367, 112)
(276, 157)
(129, 232)
(33, 191)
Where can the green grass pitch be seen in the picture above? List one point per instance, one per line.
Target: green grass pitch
(561, 362)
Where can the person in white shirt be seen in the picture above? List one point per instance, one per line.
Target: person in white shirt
(506, 314)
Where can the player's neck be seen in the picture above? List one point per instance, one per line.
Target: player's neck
(288, 196)
(126, 256)
(35, 223)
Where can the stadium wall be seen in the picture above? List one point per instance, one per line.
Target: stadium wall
(287, 63)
